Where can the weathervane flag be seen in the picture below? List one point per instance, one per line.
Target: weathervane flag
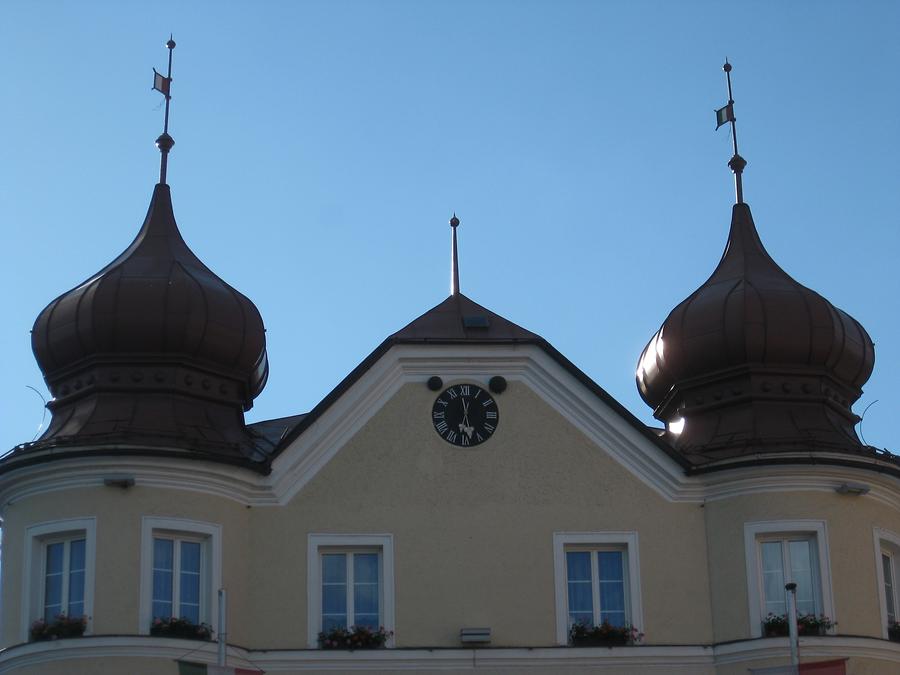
(161, 83)
(724, 115)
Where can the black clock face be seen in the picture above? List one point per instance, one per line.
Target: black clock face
(465, 415)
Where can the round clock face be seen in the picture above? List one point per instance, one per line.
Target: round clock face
(465, 414)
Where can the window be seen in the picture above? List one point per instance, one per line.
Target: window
(887, 568)
(596, 575)
(890, 590)
(350, 582)
(780, 552)
(59, 570)
(789, 559)
(64, 578)
(178, 568)
(596, 588)
(351, 589)
(180, 571)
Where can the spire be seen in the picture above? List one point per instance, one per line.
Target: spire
(723, 116)
(164, 86)
(454, 258)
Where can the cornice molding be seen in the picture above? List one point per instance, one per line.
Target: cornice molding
(529, 364)
(650, 658)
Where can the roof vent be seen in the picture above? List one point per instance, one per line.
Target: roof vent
(478, 321)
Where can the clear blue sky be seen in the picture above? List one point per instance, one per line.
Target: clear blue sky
(322, 146)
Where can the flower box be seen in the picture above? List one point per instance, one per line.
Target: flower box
(603, 635)
(776, 625)
(62, 626)
(355, 637)
(180, 628)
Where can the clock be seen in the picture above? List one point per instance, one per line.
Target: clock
(465, 415)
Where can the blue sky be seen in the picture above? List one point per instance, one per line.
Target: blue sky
(322, 146)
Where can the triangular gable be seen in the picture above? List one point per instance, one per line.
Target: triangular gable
(441, 340)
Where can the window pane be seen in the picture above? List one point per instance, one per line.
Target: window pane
(802, 573)
(580, 598)
(334, 599)
(190, 556)
(773, 577)
(76, 592)
(190, 612)
(190, 588)
(334, 568)
(888, 586)
(162, 586)
(365, 599)
(365, 568)
(610, 566)
(162, 554)
(578, 565)
(612, 596)
(586, 618)
(53, 581)
(76, 555)
(55, 558)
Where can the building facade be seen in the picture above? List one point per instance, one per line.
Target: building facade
(466, 493)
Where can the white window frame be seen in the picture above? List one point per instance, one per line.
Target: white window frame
(755, 533)
(623, 541)
(347, 543)
(210, 535)
(888, 542)
(36, 539)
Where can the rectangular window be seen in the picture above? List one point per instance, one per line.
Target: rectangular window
(887, 557)
(181, 571)
(779, 552)
(890, 591)
(596, 580)
(350, 582)
(64, 575)
(59, 571)
(597, 587)
(792, 559)
(178, 566)
(351, 589)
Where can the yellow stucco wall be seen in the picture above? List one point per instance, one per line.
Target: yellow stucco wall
(850, 522)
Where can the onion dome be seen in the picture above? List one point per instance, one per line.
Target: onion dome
(754, 361)
(154, 349)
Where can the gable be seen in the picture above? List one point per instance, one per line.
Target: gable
(544, 401)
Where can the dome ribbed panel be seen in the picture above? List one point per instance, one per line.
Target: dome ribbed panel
(750, 311)
(156, 301)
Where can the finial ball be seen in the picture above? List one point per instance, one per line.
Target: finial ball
(170, 44)
(454, 221)
(727, 67)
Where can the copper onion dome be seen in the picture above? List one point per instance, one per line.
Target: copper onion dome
(753, 361)
(154, 349)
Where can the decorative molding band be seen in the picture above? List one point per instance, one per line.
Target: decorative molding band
(693, 659)
(403, 364)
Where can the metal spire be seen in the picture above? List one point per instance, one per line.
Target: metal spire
(724, 115)
(164, 86)
(454, 258)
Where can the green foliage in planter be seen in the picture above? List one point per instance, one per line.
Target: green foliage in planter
(62, 626)
(180, 628)
(603, 635)
(355, 637)
(776, 625)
